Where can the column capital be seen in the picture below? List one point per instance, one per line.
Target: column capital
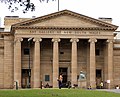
(110, 40)
(18, 39)
(92, 40)
(74, 40)
(37, 39)
(56, 40)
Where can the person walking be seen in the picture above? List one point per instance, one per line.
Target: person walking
(60, 79)
(101, 85)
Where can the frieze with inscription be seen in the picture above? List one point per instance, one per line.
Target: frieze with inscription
(64, 32)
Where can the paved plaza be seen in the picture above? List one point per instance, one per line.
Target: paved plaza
(110, 90)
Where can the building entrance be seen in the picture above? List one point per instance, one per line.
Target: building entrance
(63, 71)
(98, 77)
(25, 78)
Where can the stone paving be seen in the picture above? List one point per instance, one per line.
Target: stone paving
(110, 90)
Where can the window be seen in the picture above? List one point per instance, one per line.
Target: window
(61, 53)
(97, 52)
(26, 51)
(47, 77)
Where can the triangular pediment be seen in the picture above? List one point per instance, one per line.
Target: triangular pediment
(65, 19)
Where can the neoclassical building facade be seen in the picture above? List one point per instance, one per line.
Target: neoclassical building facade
(35, 51)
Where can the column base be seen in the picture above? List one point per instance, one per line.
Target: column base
(91, 84)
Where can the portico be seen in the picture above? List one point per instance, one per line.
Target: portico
(57, 55)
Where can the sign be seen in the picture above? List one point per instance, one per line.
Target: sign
(108, 81)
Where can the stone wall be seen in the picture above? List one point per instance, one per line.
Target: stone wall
(116, 69)
(8, 62)
(10, 20)
(1, 63)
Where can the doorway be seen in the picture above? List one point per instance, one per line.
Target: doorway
(25, 78)
(63, 71)
(98, 77)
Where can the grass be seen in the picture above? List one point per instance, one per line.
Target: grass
(56, 93)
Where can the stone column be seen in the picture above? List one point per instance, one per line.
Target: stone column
(17, 61)
(110, 63)
(55, 61)
(74, 61)
(36, 64)
(92, 65)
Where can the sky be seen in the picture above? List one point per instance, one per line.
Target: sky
(91, 8)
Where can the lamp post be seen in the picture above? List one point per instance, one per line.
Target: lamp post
(29, 72)
(58, 5)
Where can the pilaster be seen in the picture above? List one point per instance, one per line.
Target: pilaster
(17, 61)
(36, 65)
(109, 63)
(74, 61)
(55, 61)
(92, 65)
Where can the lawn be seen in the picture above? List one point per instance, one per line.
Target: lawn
(56, 93)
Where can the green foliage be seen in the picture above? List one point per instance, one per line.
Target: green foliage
(14, 5)
(56, 93)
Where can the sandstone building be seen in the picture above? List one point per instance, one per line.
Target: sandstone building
(37, 50)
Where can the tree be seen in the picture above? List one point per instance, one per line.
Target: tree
(13, 5)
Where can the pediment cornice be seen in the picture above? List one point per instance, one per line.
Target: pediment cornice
(103, 25)
(64, 28)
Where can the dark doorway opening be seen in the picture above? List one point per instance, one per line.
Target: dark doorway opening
(63, 71)
(98, 78)
(98, 73)
(25, 78)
